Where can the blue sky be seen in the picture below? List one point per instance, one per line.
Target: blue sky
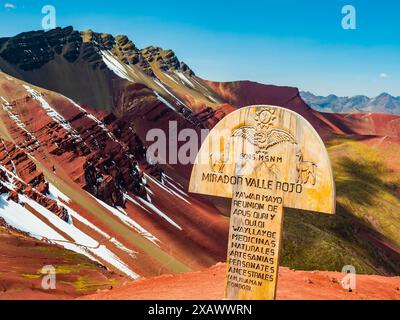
(287, 42)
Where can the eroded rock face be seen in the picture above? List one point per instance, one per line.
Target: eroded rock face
(111, 150)
(101, 152)
(19, 177)
(127, 52)
(17, 161)
(31, 50)
(109, 175)
(110, 167)
(166, 60)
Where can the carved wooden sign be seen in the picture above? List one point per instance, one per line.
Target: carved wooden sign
(265, 158)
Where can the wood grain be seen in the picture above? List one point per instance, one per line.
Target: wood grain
(265, 158)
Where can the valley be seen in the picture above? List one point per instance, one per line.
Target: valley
(75, 110)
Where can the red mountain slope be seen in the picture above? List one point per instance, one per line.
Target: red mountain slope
(244, 93)
(69, 156)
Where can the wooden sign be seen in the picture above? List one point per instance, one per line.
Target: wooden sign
(264, 158)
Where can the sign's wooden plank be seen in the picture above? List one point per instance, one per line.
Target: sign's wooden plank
(253, 245)
(304, 174)
(265, 158)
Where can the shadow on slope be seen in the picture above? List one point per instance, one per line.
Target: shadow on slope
(364, 231)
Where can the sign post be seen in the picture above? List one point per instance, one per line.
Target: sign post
(264, 158)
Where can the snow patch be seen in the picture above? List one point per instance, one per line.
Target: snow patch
(9, 157)
(160, 213)
(128, 197)
(20, 218)
(51, 112)
(184, 79)
(159, 97)
(160, 84)
(168, 76)
(8, 107)
(212, 99)
(97, 121)
(123, 248)
(81, 239)
(129, 222)
(114, 65)
(177, 189)
(165, 188)
(56, 194)
(172, 180)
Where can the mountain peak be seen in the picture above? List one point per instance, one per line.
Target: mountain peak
(384, 95)
(32, 50)
(383, 103)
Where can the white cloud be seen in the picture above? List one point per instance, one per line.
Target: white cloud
(383, 75)
(10, 6)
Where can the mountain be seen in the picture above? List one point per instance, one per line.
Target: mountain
(125, 74)
(75, 110)
(384, 103)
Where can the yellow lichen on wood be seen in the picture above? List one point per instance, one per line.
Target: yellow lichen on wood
(265, 158)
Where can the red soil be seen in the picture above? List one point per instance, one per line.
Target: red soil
(292, 285)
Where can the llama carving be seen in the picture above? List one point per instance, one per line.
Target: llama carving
(305, 170)
(217, 162)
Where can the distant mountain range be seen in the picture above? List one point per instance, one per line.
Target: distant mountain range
(384, 103)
